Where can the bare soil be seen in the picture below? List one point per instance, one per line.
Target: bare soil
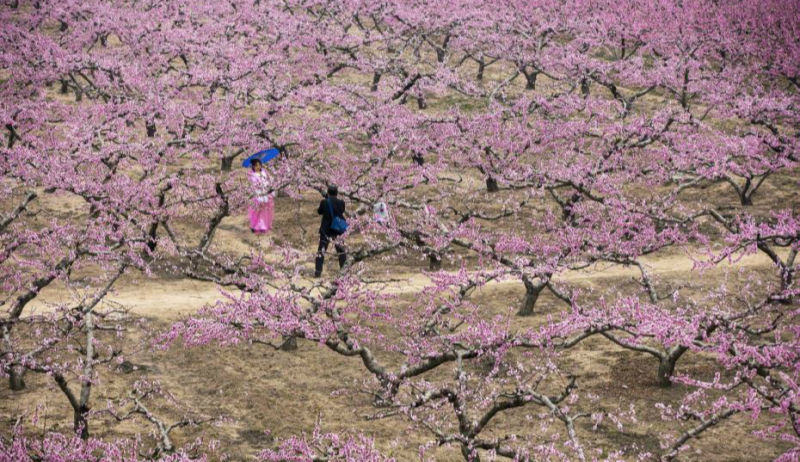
(269, 395)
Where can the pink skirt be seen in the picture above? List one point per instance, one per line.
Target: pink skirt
(260, 214)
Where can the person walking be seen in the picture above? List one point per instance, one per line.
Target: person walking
(262, 208)
(331, 207)
(381, 212)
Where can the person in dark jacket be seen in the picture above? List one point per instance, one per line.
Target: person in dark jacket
(326, 234)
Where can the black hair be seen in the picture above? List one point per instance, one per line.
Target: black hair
(254, 162)
(333, 190)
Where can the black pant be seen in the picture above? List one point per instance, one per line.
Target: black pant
(323, 246)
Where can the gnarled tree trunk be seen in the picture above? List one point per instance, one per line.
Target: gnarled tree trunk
(481, 68)
(530, 79)
(434, 261)
(532, 292)
(16, 379)
(289, 343)
(666, 365)
(376, 79)
(491, 185)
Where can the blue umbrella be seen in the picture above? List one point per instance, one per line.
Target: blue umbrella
(263, 156)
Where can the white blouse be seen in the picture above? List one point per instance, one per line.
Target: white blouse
(261, 186)
(381, 212)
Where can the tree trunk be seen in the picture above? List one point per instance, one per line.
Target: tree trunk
(16, 379)
(80, 424)
(388, 392)
(86, 386)
(151, 129)
(421, 104)
(289, 343)
(532, 292)
(227, 164)
(12, 135)
(15, 371)
(469, 455)
(441, 52)
(666, 366)
(64, 87)
(376, 78)
(481, 67)
(491, 185)
(530, 79)
(434, 261)
(787, 277)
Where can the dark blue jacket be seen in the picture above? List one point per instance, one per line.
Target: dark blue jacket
(338, 210)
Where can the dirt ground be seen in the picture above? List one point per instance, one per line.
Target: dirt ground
(268, 395)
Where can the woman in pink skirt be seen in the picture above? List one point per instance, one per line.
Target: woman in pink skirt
(262, 208)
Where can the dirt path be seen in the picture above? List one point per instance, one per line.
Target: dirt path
(173, 299)
(664, 265)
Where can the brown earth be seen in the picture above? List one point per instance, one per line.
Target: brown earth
(286, 393)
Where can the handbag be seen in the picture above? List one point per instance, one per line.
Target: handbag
(338, 224)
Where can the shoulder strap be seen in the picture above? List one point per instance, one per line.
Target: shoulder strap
(330, 207)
